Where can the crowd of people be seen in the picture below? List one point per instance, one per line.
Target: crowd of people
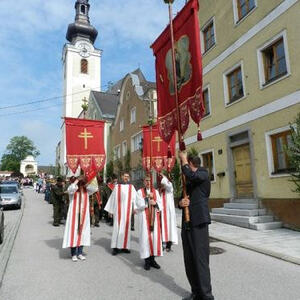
(80, 204)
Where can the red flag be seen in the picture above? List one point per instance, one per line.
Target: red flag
(163, 154)
(85, 144)
(188, 71)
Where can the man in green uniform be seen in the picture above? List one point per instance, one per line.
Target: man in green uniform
(57, 193)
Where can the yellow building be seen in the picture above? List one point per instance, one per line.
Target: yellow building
(252, 94)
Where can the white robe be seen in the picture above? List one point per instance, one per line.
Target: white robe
(168, 213)
(150, 241)
(122, 200)
(74, 236)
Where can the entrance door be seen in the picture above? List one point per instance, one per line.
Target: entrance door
(242, 164)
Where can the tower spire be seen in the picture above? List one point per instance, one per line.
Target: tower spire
(81, 28)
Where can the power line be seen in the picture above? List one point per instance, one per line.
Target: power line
(47, 99)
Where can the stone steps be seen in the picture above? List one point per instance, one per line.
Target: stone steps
(240, 212)
(245, 213)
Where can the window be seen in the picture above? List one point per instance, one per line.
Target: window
(117, 152)
(244, 7)
(208, 163)
(122, 125)
(274, 61)
(280, 141)
(208, 35)
(124, 148)
(132, 115)
(235, 85)
(82, 9)
(206, 96)
(136, 142)
(84, 66)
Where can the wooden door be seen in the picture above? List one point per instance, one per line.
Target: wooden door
(243, 177)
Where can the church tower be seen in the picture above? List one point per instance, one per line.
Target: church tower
(81, 61)
(81, 70)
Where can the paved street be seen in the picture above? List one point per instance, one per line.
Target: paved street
(40, 269)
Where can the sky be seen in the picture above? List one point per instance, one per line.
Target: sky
(32, 36)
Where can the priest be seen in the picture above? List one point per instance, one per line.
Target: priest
(150, 226)
(77, 231)
(168, 214)
(123, 201)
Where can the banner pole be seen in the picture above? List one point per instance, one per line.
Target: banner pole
(152, 209)
(180, 136)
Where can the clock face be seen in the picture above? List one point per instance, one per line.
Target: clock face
(84, 50)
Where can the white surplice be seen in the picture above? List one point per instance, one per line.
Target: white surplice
(150, 241)
(77, 229)
(122, 200)
(168, 213)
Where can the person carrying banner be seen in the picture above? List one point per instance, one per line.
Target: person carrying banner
(150, 238)
(123, 201)
(77, 231)
(168, 214)
(195, 241)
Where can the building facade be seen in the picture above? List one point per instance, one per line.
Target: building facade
(251, 95)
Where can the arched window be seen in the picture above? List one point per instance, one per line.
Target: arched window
(82, 9)
(84, 66)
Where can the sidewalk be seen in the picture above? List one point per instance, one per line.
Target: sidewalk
(280, 243)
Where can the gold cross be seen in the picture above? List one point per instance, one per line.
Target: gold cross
(85, 135)
(157, 140)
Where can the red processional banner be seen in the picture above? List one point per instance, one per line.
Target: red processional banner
(188, 62)
(161, 154)
(85, 144)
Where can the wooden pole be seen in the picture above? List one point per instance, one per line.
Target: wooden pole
(180, 135)
(151, 207)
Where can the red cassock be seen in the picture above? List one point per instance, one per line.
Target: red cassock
(85, 144)
(155, 149)
(188, 63)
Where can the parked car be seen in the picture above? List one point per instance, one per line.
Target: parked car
(10, 195)
(1, 225)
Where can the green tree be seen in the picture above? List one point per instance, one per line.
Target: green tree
(176, 180)
(293, 152)
(127, 162)
(109, 169)
(193, 151)
(18, 149)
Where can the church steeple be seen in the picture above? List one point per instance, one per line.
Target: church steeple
(81, 28)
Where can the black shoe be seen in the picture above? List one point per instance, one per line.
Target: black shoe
(97, 225)
(55, 224)
(132, 228)
(126, 251)
(154, 264)
(190, 297)
(147, 265)
(115, 251)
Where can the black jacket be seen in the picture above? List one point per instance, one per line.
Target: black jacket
(198, 190)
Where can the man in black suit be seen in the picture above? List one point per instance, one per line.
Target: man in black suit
(195, 241)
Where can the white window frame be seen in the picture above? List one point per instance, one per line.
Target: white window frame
(207, 87)
(260, 60)
(211, 20)
(237, 21)
(213, 156)
(117, 152)
(132, 141)
(270, 156)
(121, 125)
(133, 120)
(225, 84)
(124, 148)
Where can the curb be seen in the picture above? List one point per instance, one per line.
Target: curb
(8, 242)
(275, 254)
(279, 255)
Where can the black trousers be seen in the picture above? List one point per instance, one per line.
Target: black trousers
(195, 244)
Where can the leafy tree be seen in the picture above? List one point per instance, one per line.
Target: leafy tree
(127, 162)
(176, 180)
(193, 151)
(109, 169)
(18, 149)
(293, 153)
(119, 165)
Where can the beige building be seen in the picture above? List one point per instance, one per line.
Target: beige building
(251, 91)
(137, 102)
